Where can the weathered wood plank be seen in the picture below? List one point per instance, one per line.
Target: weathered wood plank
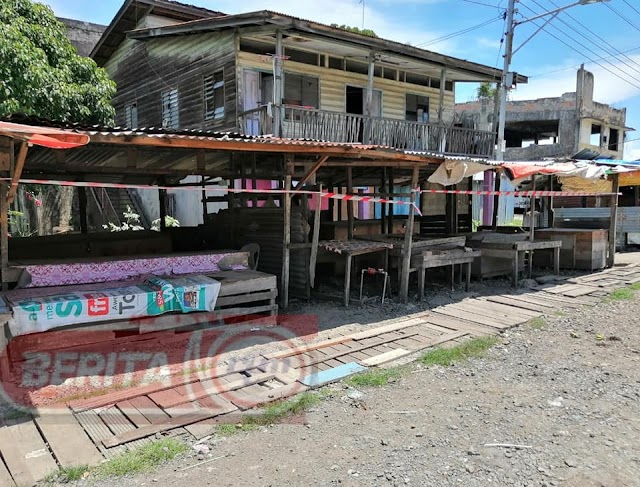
(5, 476)
(469, 316)
(25, 452)
(67, 439)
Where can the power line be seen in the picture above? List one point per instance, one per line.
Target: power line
(573, 48)
(613, 48)
(484, 4)
(541, 75)
(622, 16)
(618, 68)
(460, 32)
(632, 7)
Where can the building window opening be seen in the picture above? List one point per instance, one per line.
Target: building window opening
(596, 133)
(614, 139)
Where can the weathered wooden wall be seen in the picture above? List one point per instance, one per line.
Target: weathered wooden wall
(333, 82)
(143, 70)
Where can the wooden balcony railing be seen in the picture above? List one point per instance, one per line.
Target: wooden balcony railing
(307, 123)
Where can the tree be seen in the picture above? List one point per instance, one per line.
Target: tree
(355, 30)
(486, 91)
(42, 74)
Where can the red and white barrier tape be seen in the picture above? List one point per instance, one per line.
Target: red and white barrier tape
(514, 193)
(337, 196)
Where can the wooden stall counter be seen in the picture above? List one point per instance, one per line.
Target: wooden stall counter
(429, 259)
(582, 249)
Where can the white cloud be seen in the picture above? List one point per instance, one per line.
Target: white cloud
(632, 149)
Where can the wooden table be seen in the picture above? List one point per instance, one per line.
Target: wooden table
(351, 249)
(451, 257)
(512, 251)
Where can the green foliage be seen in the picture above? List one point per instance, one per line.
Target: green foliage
(486, 91)
(142, 459)
(132, 222)
(447, 356)
(169, 222)
(635, 286)
(376, 377)
(537, 323)
(621, 294)
(67, 474)
(42, 74)
(355, 30)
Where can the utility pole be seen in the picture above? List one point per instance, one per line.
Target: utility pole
(504, 86)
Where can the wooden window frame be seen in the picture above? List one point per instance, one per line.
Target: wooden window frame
(217, 112)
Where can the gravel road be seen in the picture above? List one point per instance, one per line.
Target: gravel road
(569, 398)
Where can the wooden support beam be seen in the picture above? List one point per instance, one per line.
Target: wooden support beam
(162, 201)
(496, 199)
(82, 203)
(532, 210)
(390, 207)
(408, 240)
(443, 80)
(4, 238)
(383, 206)
(613, 223)
(311, 173)
(17, 171)
(278, 86)
(314, 240)
(350, 203)
(286, 251)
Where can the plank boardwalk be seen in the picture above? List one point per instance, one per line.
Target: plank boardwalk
(88, 430)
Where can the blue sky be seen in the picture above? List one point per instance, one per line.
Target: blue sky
(549, 62)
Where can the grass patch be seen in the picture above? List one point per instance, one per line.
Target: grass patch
(66, 475)
(272, 413)
(559, 313)
(635, 286)
(622, 294)
(142, 459)
(471, 348)
(376, 377)
(538, 322)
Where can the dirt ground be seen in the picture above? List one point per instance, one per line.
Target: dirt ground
(569, 398)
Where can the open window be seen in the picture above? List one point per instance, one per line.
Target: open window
(417, 108)
(214, 96)
(596, 134)
(614, 139)
(300, 90)
(131, 115)
(170, 113)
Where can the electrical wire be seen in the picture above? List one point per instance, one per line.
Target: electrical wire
(546, 73)
(622, 17)
(573, 48)
(614, 51)
(459, 33)
(632, 7)
(484, 4)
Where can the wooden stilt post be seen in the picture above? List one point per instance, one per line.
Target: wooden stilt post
(496, 200)
(286, 241)
(162, 201)
(613, 222)
(4, 234)
(390, 207)
(408, 239)
(278, 86)
(314, 240)
(82, 203)
(532, 210)
(350, 203)
(383, 206)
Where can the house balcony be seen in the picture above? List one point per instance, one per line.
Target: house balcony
(306, 123)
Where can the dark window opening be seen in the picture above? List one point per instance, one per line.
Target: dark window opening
(131, 115)
(356, 67)
(256, 47)
(614, 139)
(355, 100)
(336, 63)
(301, 90)
(302, 56)
(417, 79)
(596, 132)
(417, 108)
(389, 73)
(214, 96)
(448, 86)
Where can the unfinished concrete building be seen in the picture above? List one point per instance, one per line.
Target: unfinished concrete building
(554, 127)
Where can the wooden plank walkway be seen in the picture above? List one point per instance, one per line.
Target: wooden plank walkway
(88, 430)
